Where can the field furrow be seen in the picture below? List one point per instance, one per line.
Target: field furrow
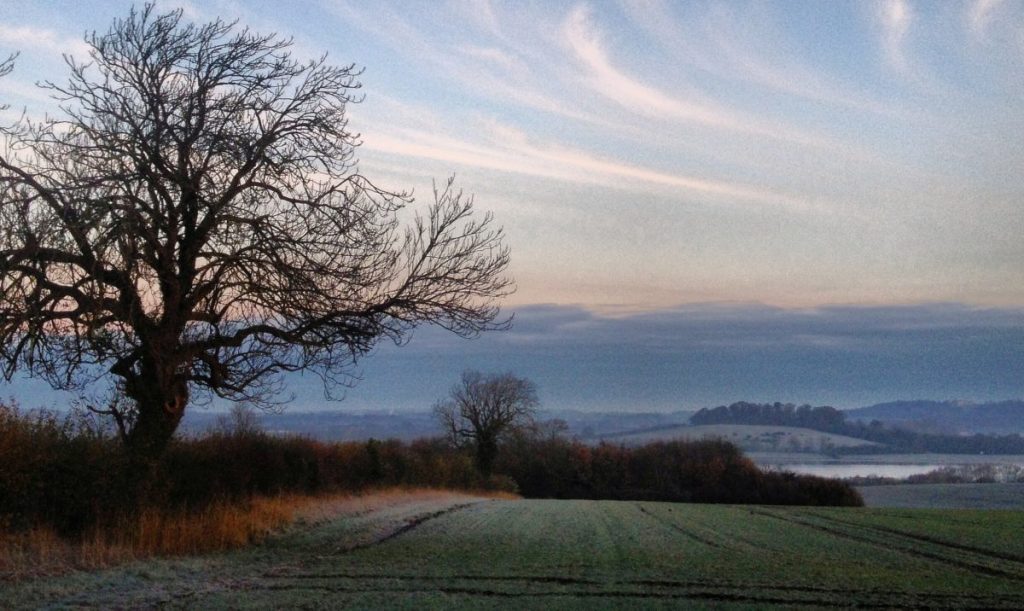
(690, 533)
(892, 539)
(985, 532)
(1007, 560)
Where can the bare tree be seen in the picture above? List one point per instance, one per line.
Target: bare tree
(6, 66)
(481, 408)
(194, 224)
(241, 421)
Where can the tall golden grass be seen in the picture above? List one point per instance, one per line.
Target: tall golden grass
(217, 527)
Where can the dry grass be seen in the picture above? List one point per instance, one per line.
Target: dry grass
(221, 526)
(152, 533)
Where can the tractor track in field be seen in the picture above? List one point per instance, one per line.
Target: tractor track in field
(975, 567)
(274, 572)
(679, 529)
(1015, 571)
(695, 590)
(993, 554)
(881, 600)
(647, 583)
(409, 525)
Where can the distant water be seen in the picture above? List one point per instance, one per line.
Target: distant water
(857, 470)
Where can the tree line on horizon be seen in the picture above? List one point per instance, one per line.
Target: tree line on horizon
(828, 419)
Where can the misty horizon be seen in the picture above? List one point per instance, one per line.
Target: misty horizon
(694, 356)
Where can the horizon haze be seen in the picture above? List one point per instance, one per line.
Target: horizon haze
(695, 356)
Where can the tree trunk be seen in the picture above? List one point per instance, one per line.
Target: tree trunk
(486, 453)
(155, 424)
(160, 407)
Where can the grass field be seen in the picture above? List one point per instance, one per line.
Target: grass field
(963, 496)
(466, 552)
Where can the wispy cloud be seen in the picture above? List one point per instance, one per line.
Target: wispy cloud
(795, 153)
(511, 150)
(9, 87)
(31, 37)
(496, 71)
(481, 13)
(607, 80)
(979, 16)
(496, 57)
(895, 17)
(631, 94)
(739, 46)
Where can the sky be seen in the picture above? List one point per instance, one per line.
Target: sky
(834, 188)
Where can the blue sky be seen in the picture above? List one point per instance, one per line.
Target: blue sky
(653, 157)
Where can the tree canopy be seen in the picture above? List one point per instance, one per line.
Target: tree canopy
(193, 223)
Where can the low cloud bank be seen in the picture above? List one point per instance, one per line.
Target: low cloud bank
(699, 355)
(702, 355)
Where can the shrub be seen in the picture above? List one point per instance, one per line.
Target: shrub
(707, 471)
(51, 468)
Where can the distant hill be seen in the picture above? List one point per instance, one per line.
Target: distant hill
(750, 437)
(899, 435)
(595, 425)
(333, 425)
(946, 417)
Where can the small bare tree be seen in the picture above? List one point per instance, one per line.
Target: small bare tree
(481, 408)
(241, 421)
(194, 222)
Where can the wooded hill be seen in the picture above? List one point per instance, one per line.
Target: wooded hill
(946, 417)
(889, 436)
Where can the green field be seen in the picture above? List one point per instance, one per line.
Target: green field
(463, 552)
(981, 496)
